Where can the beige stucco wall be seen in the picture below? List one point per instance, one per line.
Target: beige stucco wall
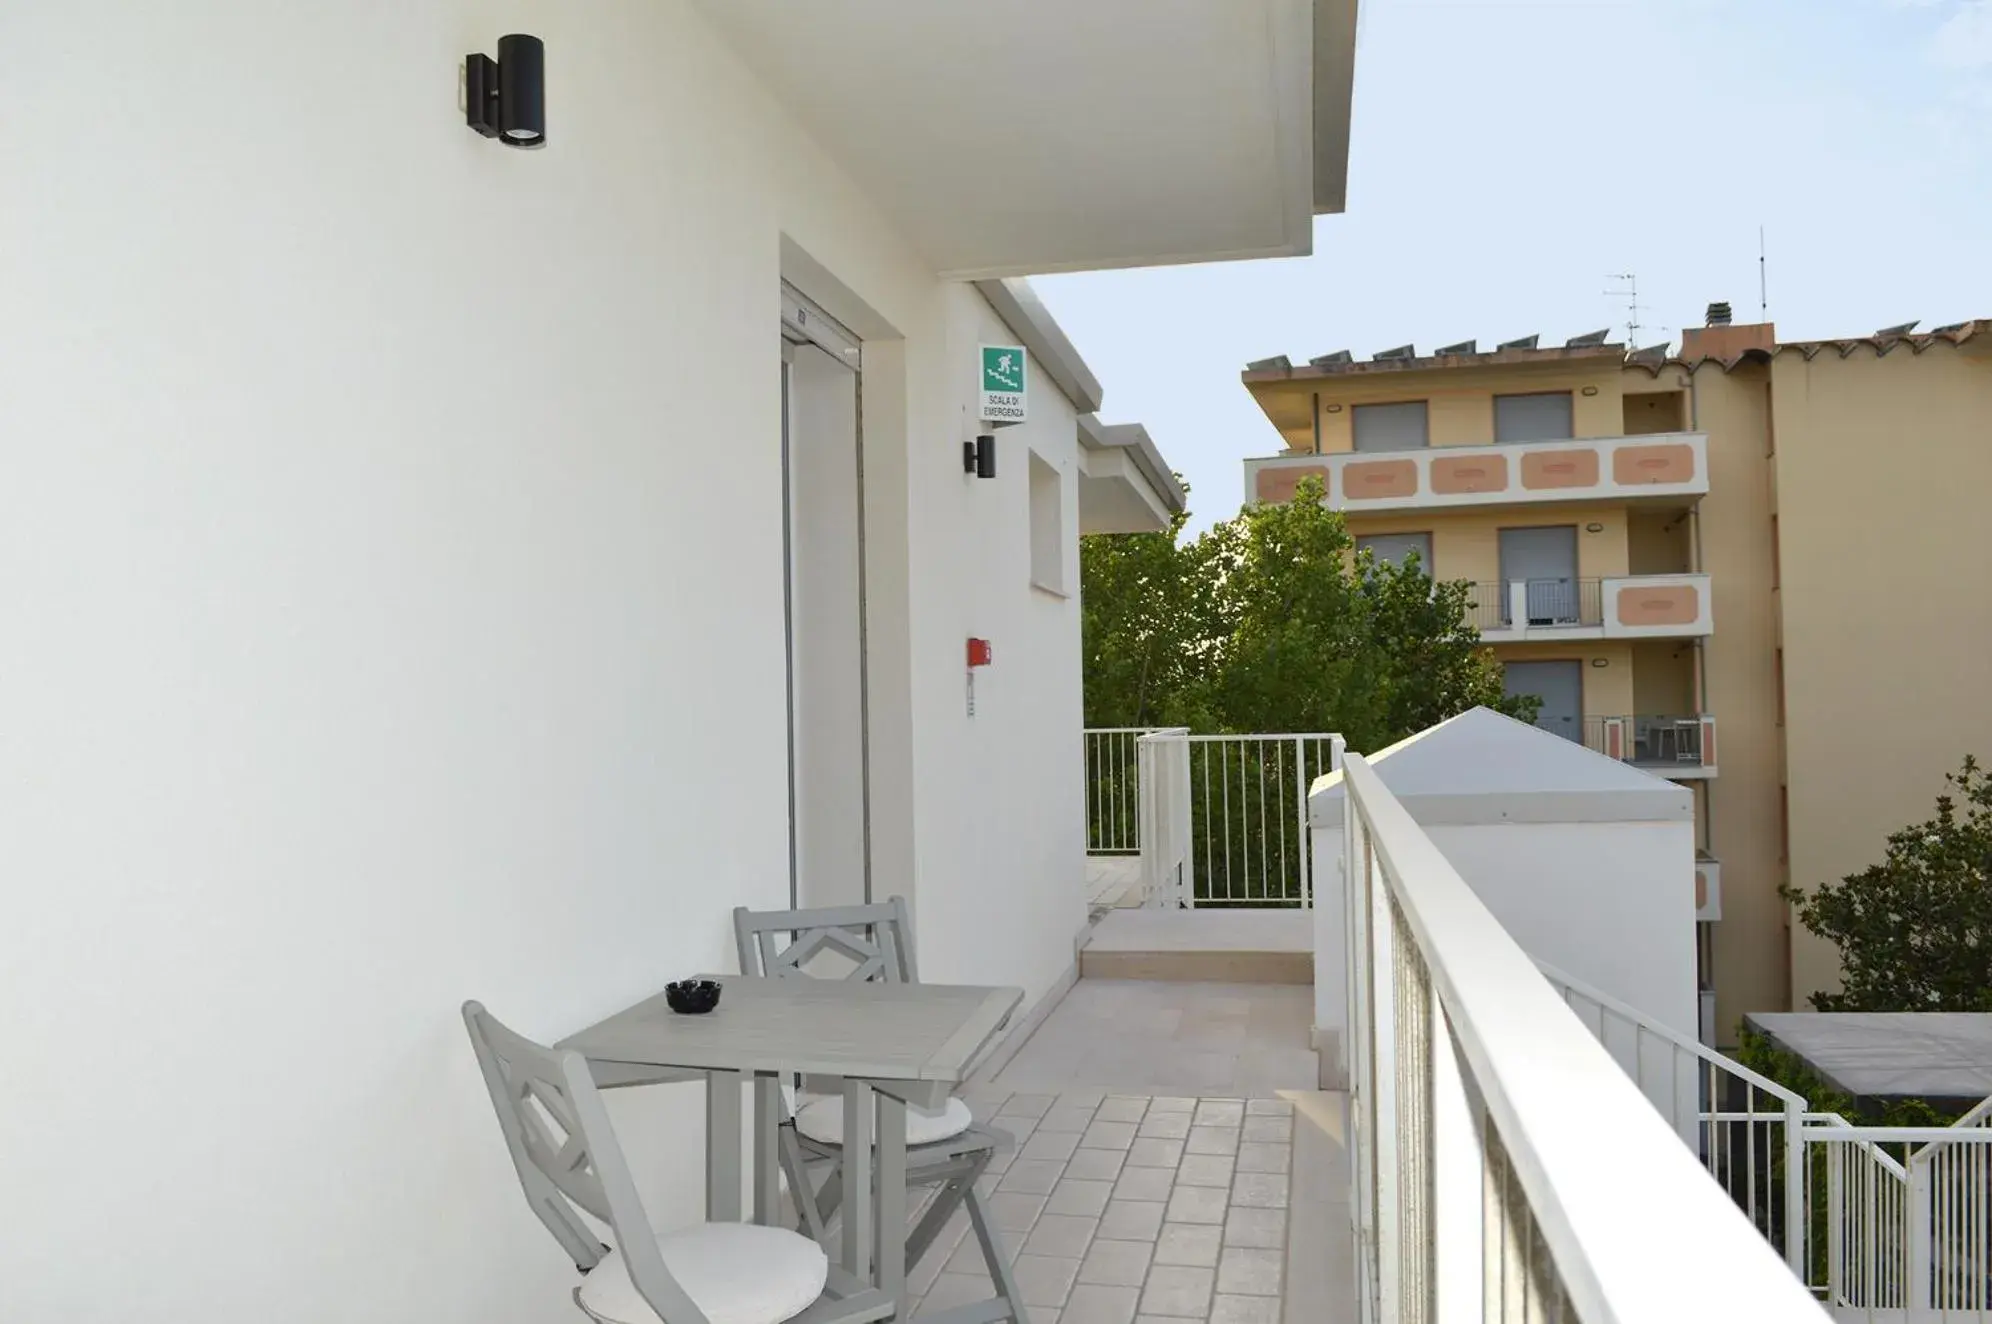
(1608, 689)
(1741, 690)
(1460, 401)
(1467, 544)
(1883, 466)
(1663, 679)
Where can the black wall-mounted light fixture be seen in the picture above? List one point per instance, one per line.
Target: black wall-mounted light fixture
(978, 457)
(505, 98)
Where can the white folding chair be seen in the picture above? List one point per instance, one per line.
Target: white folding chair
(569, 1162)
(945, 1147)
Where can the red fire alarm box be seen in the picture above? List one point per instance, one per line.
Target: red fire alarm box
(979, 654)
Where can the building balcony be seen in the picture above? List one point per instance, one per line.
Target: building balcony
(1620, 607)
(1670, 468)
(1679, 747)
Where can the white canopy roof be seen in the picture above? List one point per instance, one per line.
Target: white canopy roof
(1484, 767)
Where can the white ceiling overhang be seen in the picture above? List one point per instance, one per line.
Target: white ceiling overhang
(1049, 135)
(1124, 484)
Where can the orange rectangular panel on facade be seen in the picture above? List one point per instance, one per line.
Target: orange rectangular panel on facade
(1659, 604)
(1546, 470)
(1275, 484)
(1633, 465)
(1453, 474)
(1376, 480)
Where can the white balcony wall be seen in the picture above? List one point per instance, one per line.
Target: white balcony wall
(1588, 864)
(393, 595)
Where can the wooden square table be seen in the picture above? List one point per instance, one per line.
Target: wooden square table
(896, 1043)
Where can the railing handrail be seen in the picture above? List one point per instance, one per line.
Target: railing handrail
(1636, 1229)
(1670, 1035)
(1979, 1114)
(1118, 730)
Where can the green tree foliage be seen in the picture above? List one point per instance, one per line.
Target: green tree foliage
(1270, 621)
(1915, 931)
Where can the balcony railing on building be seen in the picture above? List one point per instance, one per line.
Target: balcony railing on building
(1669, 468)
(1206, 820)
(1671, 744)
(1618, 607)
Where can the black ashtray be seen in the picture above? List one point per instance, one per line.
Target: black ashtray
(692, 997)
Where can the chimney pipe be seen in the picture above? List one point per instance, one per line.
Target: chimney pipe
(1719, 314)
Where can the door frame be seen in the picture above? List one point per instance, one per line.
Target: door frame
(804, 323)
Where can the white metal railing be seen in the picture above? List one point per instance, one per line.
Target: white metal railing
(1908, 1218)
(1745, 1128)
(1113, 789)
(1231, 811)
(1504, 1166)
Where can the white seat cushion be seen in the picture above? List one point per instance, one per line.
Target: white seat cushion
(737, 1273)
(823, 1121)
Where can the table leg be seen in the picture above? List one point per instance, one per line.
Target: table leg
(891, 1204)
(767, 1136)
(857, 1160)
(723, 1146)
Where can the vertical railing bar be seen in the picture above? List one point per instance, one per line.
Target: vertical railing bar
(1279, 779)
(1224, 783)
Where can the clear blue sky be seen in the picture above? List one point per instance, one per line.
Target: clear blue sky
(1506, 156)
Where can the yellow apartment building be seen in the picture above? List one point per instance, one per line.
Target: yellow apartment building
(1757, 568)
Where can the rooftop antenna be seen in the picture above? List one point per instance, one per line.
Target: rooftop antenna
(1763, 280)
(1630, 293)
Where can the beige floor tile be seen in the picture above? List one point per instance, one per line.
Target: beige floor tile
(1085, 1198)
(1198, 1204)
(955, 1289)
(1259, 1190)
(1045, 1281)
(1015, 1125)
(1166, 1104)
(1255, 1156)
(1117, 1263)
(967, 1256)
(1131, 1220)
(1268, 1108)
(1165, 1126)
(1204, 1170)
(1195, 1244)
(1015, 1211)
(1146, 1184)
(1220, 1112)
(1263, 1228)
(1122, 1108)
(1032, 1176)
(1155, 1153)
(1057, 1146)
(1239, 1310)
(1212, 1140)
(1109, 1135)
(1094, 1303)
(1063, 1118)
(1176, 1290)
(1271, 1130)
(1062, 1236)
(1095, 1165)
(1247, 1272)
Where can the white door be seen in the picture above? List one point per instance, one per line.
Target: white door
(822, 457)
